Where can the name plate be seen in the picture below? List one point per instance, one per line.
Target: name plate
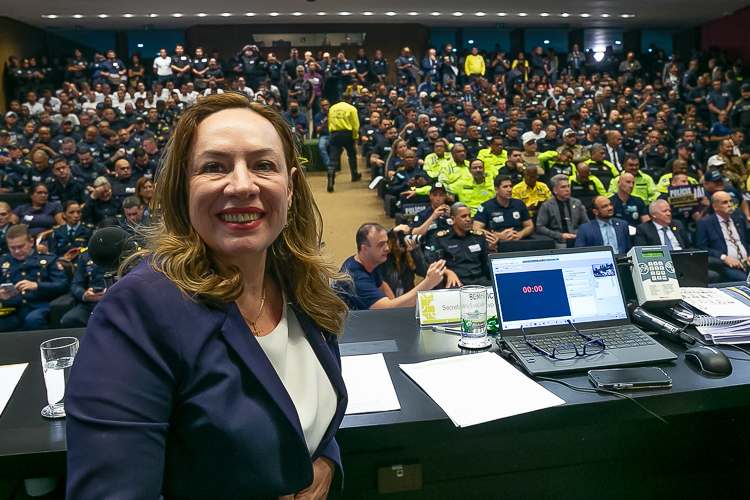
(435, 307)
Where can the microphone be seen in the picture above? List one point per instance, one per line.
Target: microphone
(642, 317)
(107, 246)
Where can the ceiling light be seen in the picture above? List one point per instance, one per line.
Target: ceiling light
(480, 14)
(203, 14)
(544, 14)
(471, 42)
(585, 15)
(103, 16)
(598, 56)
(321, 13)
(413, 13)
(618, 42)
(458, 14)
(368, 13)
(77, 16)
(522, 14)
(390, 13)
(273, 14)
(345, 13)
(248, 14)
(605, 15)
(153, 15)
(176, 14)
(434, 13)
(546, 42)
(51, 16)
(226, 14)
(502, 14)
(564, 14)
(296, 14)
(140, 45)
(127, 15)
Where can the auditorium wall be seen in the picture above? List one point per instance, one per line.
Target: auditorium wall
(390, 38)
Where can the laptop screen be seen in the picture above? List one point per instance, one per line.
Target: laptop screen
(548, 290)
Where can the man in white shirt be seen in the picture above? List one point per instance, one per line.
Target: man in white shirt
(35, 107)
(163, 67)
(190, 94)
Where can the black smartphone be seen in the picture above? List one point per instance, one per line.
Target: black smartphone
(645, 377)
(98, 289)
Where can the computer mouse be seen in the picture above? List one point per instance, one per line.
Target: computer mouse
(709, 359)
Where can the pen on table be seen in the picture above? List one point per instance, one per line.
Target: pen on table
(443, 329)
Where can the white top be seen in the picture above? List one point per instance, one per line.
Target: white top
(731, 247)
(302, 375)
(163, 66)
(660, 231)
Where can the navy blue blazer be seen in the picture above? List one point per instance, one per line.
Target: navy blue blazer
(589, 235)
(708, 235)
(169, 398)
(620, 156)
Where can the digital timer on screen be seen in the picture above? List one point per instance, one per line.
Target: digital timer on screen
(531, 295)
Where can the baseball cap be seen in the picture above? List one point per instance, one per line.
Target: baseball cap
(712, 175)
(11, 113)
(745, 87)
(528, 137)
(568, 132)
(423, 94)
(3, 131)
(139, 119)
(100, 105)
(686, 145)
(438, 185)
(716, 161)
(14, 145)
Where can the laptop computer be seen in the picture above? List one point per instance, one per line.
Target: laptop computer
(542, 290)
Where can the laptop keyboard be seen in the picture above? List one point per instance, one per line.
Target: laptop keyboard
(613, 338)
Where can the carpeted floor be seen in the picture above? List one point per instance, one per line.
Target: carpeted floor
(349, 206)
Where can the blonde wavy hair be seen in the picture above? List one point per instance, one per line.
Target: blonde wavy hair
(294, 258)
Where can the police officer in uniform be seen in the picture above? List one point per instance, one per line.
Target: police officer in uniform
(506, 218)
(5, 224)
(740, 114)
(73, 235)
(38, 278)
(434, 218)
(101, 203)
(87, 288)
(62, 186)
(379, 68)
(123, 184)
(465, 250)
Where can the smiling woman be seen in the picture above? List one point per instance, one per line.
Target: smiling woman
(237, 391)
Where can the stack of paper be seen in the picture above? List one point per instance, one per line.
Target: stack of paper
(721, 317)
(479, 388)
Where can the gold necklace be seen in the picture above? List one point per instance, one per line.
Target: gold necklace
(254, 329)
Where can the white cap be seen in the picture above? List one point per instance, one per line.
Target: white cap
(716, 161)
(527, 137)
(423, 94)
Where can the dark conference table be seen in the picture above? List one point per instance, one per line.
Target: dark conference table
(594, 446)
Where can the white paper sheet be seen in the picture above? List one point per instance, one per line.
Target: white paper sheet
(479, 388)
(368, 384)
(10, 375)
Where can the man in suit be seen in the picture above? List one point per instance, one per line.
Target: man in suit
(725, 237)
(615, 154)
(604, 229)
(662, 230)
(560, 216)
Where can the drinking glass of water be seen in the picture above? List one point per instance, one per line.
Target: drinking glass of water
(474, 317)
(57, 360)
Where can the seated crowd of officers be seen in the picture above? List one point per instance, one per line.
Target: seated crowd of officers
(500, 154)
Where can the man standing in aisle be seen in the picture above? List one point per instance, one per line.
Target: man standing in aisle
(343, 126)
